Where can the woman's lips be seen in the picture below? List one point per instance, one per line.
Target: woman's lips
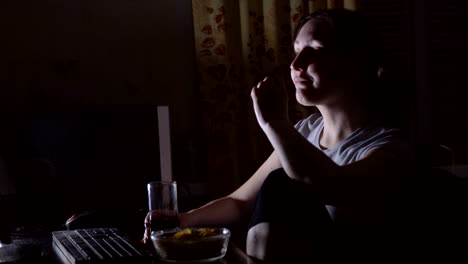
(301, 83)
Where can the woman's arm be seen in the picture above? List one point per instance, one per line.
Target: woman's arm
(373, 176)
(230, 209)
(299, 157)
(294, 152)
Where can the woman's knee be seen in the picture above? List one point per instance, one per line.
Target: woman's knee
(272, 243)
(257, 239)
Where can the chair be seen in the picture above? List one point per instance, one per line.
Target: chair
(437, 216)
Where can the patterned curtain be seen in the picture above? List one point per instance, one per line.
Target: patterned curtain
(237, 43)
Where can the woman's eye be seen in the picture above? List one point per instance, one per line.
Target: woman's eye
(307, 51)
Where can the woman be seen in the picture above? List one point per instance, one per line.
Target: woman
(331, 186)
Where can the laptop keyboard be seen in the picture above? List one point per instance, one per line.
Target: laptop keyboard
(96, 245)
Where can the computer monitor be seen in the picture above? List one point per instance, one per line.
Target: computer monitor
(86, 158)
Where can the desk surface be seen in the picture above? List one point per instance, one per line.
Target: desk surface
(30, 247)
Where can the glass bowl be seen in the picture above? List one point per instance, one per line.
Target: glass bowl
(191, 245)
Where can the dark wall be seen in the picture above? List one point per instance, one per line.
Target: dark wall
(427, 41)
(70, 53)
(77, 54)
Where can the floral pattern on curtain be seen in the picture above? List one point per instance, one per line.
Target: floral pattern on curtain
(237, 43)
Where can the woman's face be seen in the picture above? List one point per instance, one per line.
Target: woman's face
(318, 71)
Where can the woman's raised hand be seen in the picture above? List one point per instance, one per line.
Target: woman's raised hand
(270, 100)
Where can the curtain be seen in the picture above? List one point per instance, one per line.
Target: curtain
(237, 43)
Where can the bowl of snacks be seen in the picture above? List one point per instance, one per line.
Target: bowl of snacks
(195, 244)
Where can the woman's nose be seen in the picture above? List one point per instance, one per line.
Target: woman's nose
(298, 62)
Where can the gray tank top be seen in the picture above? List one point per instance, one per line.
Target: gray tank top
(353, 148)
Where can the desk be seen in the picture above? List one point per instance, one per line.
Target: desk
(31, 247)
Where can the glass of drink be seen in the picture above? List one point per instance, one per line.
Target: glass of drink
(162, 203)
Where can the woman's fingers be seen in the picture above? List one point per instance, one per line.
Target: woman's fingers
(147, 232)
(261, 87)
(264, 82)
(269, 100)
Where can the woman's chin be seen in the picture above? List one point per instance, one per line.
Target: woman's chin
(304, 99)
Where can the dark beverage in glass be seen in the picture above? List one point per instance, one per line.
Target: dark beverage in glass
(163, 220)
(162, 203)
